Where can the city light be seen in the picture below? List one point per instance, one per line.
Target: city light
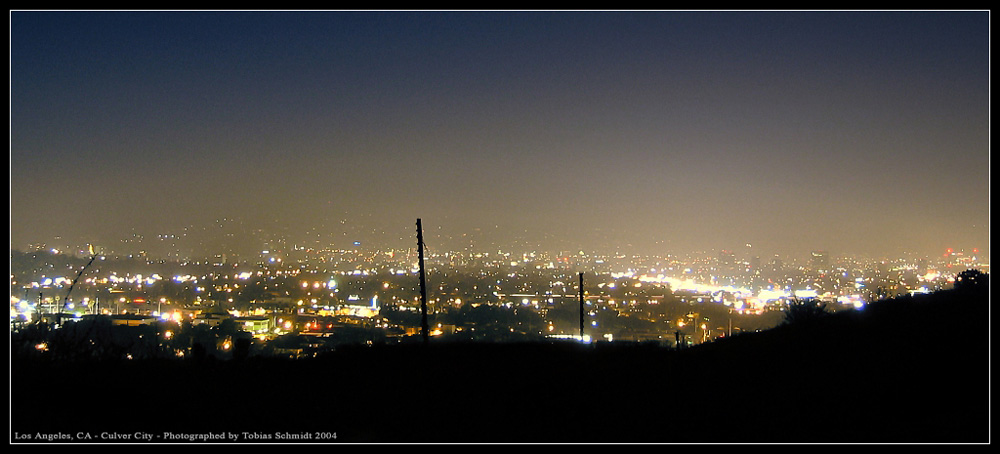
(652, 226)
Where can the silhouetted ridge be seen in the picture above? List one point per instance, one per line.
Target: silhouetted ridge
(906, 370)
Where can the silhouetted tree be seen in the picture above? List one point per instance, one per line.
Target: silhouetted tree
(241, 349)
(203, 342)
(227, 328)
(399, 317)
(804, 310)
(972, 280)
(198, 352)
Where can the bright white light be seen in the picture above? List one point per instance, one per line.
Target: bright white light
(807, 293)
(585, 339)
(770, 295)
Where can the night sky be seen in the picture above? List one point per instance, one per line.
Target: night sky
(649, 132)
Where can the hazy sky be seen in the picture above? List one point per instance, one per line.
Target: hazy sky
(668, 131)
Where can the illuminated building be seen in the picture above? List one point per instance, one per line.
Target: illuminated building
(819, 261)
(132, 320)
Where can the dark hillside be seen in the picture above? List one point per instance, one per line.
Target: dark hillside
(909, 370)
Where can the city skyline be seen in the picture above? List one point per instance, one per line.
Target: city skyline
(239, 245)
(852, 132)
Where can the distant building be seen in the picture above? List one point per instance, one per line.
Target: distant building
(58, 318)
(255, 325)
(819, 261)
(211, 320)
(133, 320)
(776, 265)
(357, 310)
(755, 265)
(727, 259)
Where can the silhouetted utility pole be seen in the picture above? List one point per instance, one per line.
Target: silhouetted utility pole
(423, 282)
(581, 307)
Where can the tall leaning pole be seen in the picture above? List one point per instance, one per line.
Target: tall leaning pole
(423, 283)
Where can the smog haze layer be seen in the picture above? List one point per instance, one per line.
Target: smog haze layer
(647, 132)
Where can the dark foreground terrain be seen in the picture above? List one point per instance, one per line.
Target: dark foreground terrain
(908, 370)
